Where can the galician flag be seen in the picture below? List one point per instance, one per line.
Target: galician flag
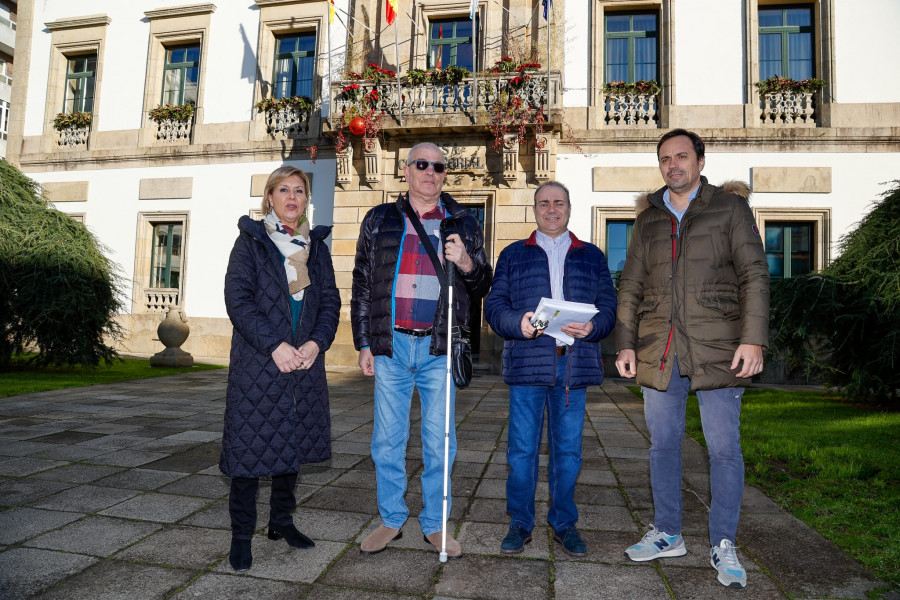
(473, 8)
(391, 11)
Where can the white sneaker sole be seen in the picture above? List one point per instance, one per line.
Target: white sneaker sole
(664, 554)
(734, 584)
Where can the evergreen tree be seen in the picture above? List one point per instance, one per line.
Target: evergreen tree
(844, 323)
(58, 291)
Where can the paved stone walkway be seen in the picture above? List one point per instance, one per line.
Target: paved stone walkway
(113, 491)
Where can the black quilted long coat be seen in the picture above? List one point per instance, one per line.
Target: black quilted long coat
(276, 421)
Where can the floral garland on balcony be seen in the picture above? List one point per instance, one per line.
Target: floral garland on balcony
(300, 103)
(364, 106)
(640, 87)
(776, 85)
(72, 120)
(180, 112)
(452, 75)
(511, 114)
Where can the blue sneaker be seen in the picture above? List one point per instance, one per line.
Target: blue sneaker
(656, 544)
(724, 559)
(515, 540)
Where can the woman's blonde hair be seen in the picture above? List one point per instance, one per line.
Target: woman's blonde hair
(279, 175)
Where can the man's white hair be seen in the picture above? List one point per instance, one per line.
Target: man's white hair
(425, 145)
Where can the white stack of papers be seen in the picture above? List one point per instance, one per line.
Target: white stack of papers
(552, 315)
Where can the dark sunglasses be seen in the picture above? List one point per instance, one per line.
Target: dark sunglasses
(422, 164)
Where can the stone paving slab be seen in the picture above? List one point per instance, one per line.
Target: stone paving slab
(164, 508)
(96, 536)
(115, 580)
(583, 581)
(510, 579)
(185, 547)
(155, 524)
(398, 571)
(19, 524)
(216, 587)
(798, 547)
(25, 571)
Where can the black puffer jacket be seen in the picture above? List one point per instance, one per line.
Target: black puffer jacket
(377, 254)
(276, 421)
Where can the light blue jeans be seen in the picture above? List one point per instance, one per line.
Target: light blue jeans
(565, 421)
(720, 413)
(411, 366)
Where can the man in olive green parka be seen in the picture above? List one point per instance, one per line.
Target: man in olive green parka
(693, 315)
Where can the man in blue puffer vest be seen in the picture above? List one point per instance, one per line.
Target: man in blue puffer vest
(543, 373)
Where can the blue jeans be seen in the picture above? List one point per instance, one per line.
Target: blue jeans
(565, 420)
(395, 378)
(720, 413)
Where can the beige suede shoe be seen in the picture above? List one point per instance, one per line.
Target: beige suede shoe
(454, 550)
(378, 540)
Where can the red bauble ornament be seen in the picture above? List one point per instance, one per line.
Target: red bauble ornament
(357, 126)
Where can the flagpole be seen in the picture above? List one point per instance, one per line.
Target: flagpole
(475, 58)
(330, 72)
(549, 14)
(399, 96)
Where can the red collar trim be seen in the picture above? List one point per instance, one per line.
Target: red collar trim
(532, 240)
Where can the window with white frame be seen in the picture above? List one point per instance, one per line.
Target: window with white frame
(4, 119)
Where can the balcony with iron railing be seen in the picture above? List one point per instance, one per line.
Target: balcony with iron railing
(465, 103)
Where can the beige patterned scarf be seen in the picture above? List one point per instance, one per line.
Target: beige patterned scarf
(294, 249)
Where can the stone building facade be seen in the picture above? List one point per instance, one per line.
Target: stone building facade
(171, 193)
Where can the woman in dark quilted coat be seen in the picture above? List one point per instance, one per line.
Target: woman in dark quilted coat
(282, 299)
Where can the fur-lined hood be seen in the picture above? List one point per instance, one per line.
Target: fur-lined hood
(738, 188)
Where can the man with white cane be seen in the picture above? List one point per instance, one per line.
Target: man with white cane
(399, 314)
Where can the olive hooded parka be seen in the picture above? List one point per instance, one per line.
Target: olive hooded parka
(694, 292)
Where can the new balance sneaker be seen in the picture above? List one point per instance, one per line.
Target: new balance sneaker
(656, 544)
(724, 559)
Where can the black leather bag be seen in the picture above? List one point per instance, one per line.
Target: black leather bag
(461, 359)
(459, 347)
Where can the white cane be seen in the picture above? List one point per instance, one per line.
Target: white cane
(451, 271)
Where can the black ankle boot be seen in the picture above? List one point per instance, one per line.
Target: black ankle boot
(240, 556)
(290, 534)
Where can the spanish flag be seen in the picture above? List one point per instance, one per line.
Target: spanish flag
(331, 11)
(391, 11)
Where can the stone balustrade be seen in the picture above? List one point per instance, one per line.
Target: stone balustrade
(174, 130)
(437, 99)
(788, 108)
(158, 300)
(288, 121)
(74, 138)
(629, 109)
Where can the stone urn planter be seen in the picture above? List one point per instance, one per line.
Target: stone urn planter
(172, 332)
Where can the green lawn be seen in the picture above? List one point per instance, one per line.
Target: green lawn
(834, 465)
(21, 378)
